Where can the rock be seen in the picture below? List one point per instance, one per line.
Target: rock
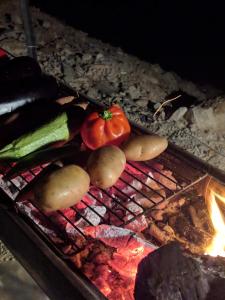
(87, 58)
(68, 72)
(142, 102)
(178, 114)
(209, 118)
(99, 57)
(134, 92)
(46, 24)
(106, 88)
(157, 105)
(92, 93)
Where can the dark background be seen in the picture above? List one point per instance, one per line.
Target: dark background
(182, 36)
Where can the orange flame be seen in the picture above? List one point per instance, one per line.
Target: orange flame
(215, 192)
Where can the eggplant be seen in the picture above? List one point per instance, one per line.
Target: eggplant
(19, 68)
(19, 93)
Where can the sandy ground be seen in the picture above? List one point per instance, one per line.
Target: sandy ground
(104, 73)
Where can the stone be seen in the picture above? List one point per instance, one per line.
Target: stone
(99, 57)
(68, 72)
(92, 93)
(178, 114)
(134, 92)
(87, 58)
(142, 102)
(106, 88)
(209, 118)
(46, 24)
(157, 105)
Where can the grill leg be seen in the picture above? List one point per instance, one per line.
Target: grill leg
(29, 33)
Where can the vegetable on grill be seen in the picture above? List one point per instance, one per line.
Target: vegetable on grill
(109, 127)
(19, 93)
(62, 188)
(60, 129)
(105, 165)
(144, 147)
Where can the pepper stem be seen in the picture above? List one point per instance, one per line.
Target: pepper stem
(106, 115)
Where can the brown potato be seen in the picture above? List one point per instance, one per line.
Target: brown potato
(105, 166)
(144, 147)
(62, 188)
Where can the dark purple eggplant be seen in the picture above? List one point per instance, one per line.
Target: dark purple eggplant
(19, 68)
(20, 93)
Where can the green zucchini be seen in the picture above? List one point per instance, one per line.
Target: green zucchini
(54, 131)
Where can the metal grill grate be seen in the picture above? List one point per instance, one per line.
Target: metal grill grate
(119, 205)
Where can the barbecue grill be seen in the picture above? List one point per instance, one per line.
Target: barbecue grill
(49, 261)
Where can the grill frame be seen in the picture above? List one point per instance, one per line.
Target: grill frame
(38, 256)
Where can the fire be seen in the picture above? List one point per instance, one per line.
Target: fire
(215, 193)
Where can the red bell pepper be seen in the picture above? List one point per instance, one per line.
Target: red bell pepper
(109, 127)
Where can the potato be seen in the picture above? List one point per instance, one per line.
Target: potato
(105, 166)
(144, 147)
(61, 188)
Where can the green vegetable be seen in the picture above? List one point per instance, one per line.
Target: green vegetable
(54, 131)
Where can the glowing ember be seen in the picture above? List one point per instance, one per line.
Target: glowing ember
(216, 193)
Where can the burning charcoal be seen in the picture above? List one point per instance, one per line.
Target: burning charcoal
(202, 214)
(111, 235)
(102, 285)
(134, 208)
(194, 217)
(158, 234)
(112, 267)
(40, 219)
(133, 177)
(88, 269)
(169, 230)
(140, 223)
(172, 208)
(102, 258)
(165, 177)
(92, 215)
(116, 217)
(87, 201)
(193, 239)
(152, 198)
(157, 214)
(116, 237)
(79, 257)
(102, 271)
